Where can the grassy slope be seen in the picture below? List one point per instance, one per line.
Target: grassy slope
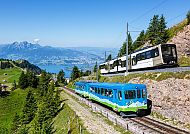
(184, 61)
(9, 105)
(61, 122)
(12, 74)
(152, 76)
(177, 28)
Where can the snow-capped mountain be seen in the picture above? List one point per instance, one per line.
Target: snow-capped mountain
(43, 55)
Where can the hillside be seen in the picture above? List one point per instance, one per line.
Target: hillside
(9, 105)
(182, 39)
(20, 64)
(168, 91)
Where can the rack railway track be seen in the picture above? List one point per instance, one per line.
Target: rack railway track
(140, 125)
(171, 69)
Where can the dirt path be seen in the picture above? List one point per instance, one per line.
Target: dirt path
(92, 122)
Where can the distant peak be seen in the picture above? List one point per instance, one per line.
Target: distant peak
(24, 45)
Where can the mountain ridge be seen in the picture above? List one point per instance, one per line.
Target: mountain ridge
(48, 55)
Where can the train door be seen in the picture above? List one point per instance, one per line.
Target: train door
(110, 94)
(129, 62)
(119, 99)
(87, 90)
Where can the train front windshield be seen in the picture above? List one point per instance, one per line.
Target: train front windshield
(169, 53)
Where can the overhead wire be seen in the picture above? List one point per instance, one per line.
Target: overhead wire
(142, 15)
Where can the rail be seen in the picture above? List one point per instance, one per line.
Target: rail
(171, 69)
(138, 125)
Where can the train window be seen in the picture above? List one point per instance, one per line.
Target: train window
(138, 93)
(134, 61)
(143, 93)
(119, 95)
(91, 89)
(106, 92)
(119, 62)
(174, 51)
(142, 56)
(106, 67)
(148, 55)
(138, 57)
(123, 63)
(102, 91)
(95, 89)
(110, 93)
(98, 90)
(130, 94)
(102, 66)
(156, 52)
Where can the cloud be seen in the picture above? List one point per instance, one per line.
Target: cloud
(36, 41)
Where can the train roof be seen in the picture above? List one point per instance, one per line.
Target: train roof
(118, 85)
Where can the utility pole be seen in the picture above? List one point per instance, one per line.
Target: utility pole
(97, 71)
(127, 41)
(105, 56)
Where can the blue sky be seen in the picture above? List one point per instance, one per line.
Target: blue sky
(93, 23)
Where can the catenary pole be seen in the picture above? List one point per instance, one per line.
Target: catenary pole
(127, 51)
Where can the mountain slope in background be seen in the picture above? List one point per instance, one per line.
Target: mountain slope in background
(182, 40)
(53, 58)
(20, 64)
(45, 54)
(100, 51)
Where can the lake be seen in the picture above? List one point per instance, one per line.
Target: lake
(66, 68)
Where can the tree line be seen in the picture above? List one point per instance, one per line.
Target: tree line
(156, 33)
(42, 104)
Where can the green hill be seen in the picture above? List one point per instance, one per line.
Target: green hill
(22, 64)
(9, 75)
(9, 105)
(177, 28)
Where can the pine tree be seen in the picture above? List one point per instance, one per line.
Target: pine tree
(163, 32)
(23, 130)
(188, 17)
(75, 73)
(50, 100)
(139, 41)
(47, 127)
(109, 57)
(122, 50)
(43, 114)
(32, 79)
(95, 67)
(15, 124)
(30, 108)
(57, 101)
(152, 31)
(60, 77)
(157, 32)
(43, 83)
(23, 81)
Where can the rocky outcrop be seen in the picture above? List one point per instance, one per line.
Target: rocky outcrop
(182, 41)
(170, 97)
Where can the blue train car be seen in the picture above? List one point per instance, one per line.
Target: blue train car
(123, 98)
(82, 88)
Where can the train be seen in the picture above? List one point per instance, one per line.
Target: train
(162, 55)
(124, 99)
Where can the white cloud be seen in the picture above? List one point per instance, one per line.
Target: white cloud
(36, 41)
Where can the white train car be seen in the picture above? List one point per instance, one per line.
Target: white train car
(104, 68)
(152, 57)
(113, 65)
(156, 56)
(147, 58)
